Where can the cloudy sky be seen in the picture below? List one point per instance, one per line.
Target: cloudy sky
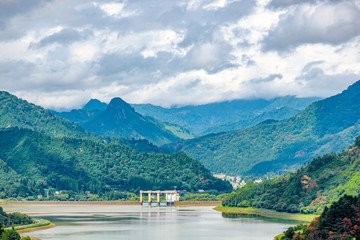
(61, 53)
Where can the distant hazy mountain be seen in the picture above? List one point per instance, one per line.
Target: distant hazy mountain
(274, 114)
(91, 110)
(95, 104)
(120, 119)
(226, 116)
(327, 125)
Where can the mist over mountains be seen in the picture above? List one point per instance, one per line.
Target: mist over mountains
(276, 147)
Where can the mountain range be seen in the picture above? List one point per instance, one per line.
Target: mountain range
(141, 121)
(118, 118)
(40, 151)
(228, 115)
(278, 146)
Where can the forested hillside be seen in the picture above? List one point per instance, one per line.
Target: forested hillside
(32, 162)
(340, 221)
(20, 113)
(314, 186)
(276, 147)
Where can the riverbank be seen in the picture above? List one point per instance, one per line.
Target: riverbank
(121, 203)
(266, 213)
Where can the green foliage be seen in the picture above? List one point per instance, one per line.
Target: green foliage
(45, 164)
(20, 113)
(8, 220)
(10, 235)
(314, 186)
(340, 221)
(357, 142)
(277, 147)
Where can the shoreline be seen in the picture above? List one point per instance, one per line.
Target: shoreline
(115, 203)
(266, 213)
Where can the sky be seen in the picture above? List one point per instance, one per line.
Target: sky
(61, 53)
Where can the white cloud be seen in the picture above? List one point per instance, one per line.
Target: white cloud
(177, 52)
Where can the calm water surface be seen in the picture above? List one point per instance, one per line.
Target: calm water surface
(136, 222)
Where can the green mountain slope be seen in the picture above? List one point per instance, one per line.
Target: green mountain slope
(20, 113)
(281, 146)
(16, 112)
(222, 116)
(314, 186)
(41, 162)
(120, 119)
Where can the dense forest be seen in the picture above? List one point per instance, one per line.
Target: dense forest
(339, 221)
(314, 186)
(279, 146)
(33, 163)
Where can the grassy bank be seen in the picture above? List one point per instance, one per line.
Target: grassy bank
(42, 224)
(266, 213)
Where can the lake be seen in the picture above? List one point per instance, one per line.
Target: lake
(80, 222)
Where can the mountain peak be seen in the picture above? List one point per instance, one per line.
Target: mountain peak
(118, 103)
(95, 104)
(120, 109)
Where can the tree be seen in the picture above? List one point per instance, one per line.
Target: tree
(357, 141)
(2, 230)
(289, 233)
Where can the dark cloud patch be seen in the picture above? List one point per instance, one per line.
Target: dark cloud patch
(64, 37)
(135, 69)
(11, 8)
(287, 3)
(267, 79)
(329, 24)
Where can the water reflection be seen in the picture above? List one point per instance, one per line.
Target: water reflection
(176, 224)
(265, 219)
